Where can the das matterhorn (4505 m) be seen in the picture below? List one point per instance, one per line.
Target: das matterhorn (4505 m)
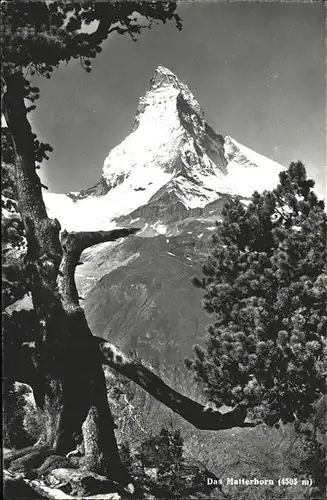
(172, 157)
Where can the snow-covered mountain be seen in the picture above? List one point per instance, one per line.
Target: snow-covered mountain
(170, 177)
(171, 154)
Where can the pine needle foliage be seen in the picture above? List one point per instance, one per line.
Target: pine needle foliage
(265, 288)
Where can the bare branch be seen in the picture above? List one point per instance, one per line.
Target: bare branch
(195, 413)
(73, 245)
(78, 241)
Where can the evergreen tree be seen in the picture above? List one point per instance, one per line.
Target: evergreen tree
(163, 451)
(170, 474)
(265, 287)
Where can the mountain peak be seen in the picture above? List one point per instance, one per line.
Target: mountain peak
(171, 156)
(162, 99)
(165, 71)
(163, 76)
(162, 70)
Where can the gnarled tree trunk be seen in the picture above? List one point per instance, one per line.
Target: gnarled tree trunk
(70, 387)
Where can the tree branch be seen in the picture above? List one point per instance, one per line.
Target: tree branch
(73, 245)
(108, 15)
(195, 413)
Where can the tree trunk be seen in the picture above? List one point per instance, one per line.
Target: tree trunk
(70, 387)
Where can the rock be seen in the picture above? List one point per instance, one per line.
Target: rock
(15, 487)
(104, 496)
(51, 463)
(18, 488)
(82, 483)
(46, 492)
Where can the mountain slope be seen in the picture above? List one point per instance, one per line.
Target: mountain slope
(148, 304)
(172, 153)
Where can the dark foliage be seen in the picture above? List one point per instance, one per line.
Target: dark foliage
(265, 287)
(308, 451)
(161, 469)
(14, 434)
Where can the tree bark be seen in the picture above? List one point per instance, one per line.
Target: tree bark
(195, 413)
(71, 386)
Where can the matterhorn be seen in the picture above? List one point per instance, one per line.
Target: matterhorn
(170, 178)
(172, 159)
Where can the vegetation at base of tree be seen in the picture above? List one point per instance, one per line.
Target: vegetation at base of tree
(265, 287)
(159, 467)
(14, 434)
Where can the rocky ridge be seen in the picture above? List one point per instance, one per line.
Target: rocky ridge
(172, 159)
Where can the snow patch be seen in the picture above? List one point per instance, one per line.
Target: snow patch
(24, 304)
(248, 171)
(159, 228)
(135, 220)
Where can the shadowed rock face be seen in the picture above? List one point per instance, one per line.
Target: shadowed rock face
(149, 305)
(99, 189)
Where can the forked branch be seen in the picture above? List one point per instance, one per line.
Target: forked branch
(73, 245)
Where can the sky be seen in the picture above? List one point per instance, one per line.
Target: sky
(257, 69)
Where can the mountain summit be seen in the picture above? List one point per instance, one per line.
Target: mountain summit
(171, 154)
